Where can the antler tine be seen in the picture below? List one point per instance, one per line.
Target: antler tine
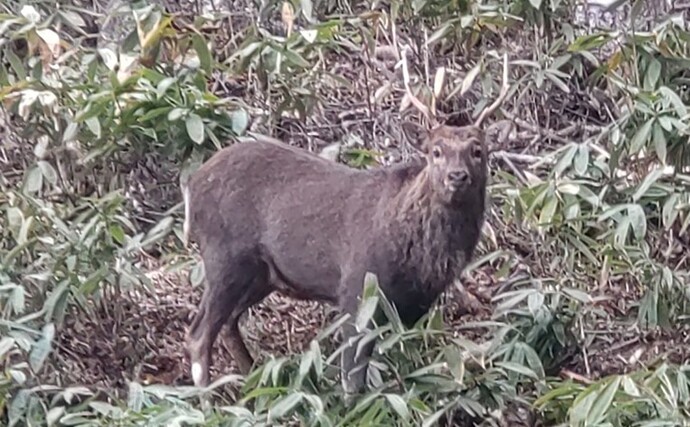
(501, 96)
(428, 114)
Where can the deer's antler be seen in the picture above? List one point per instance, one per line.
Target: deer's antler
(501, 96)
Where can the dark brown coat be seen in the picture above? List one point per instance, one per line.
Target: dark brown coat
(268, 217)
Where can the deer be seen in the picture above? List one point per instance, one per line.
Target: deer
(269, 217)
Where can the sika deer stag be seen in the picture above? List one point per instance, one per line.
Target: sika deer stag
(270, 217)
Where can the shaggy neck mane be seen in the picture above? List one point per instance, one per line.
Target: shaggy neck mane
(437, 238)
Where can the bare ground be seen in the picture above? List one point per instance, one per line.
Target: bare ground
(139, 335)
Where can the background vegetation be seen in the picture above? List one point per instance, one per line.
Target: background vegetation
(575, 311)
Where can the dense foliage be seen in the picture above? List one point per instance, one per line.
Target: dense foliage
(584, 255)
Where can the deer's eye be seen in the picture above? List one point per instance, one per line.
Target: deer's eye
(436, 152)
(477, 152)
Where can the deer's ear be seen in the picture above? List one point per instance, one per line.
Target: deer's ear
(416, 135)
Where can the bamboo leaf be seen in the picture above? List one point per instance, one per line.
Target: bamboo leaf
(195, 128)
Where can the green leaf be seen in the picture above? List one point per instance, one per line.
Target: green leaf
(682, 387)
(54, 415)
(669, 213)
(603, 402)
(647, 313)
(135, 397)
(246, 51)
(581, 408)
(532, 358)
(630, 387)
(586, 43)
(33, 181)
(441, 32)
(611, 212)
(284, 406)
(674, 99)
(195, 128)
(42, 348)
(512, 299)
(106, 409)
(161, 89)
(560, 61)
(638, 221)
(307, 10)
(659, 143)
(306, 362)
(569, 188)
(48, 171)
(71, 131)
(371, 283)
(653, 73)
(571, 209)
(470, 78)
(548, 211)
(117, 233)
(18, 406)
(535, 301)
(6, 344)
(666, 123)
(17, 299)
(205, 59)
(157, 112)
(295, 58)
(621, 233)
(418, 5)
(518, 368)
(366, 312)
(589, 196)
(398, 404)
(318, 360)
(641, 136)
(432, 420)
(565, 160)
(23, 236)
(16, 64)
(577, 242)
(94, 126)
(535, 3)
(471, 406)
(635, 10)
(556, 80)
(15, 217)
(91, 283)
(581, 160)
(649, 180)
(174, 114)
(72, 18)
(240, 121)
(309, 35)
(196, 276)
(578, 295)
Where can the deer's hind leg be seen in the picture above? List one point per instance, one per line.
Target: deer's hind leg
(233, 285)
(260, 289)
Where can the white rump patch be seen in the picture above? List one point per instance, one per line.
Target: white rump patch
(196, 373)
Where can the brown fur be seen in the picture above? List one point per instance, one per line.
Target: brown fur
(268, 217)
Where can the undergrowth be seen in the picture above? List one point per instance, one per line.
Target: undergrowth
(587, 228)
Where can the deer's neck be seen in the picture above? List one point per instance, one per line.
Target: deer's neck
(437, 239)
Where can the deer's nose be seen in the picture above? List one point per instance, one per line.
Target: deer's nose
(458, 177)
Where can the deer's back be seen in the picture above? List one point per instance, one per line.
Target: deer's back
(278, 191)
